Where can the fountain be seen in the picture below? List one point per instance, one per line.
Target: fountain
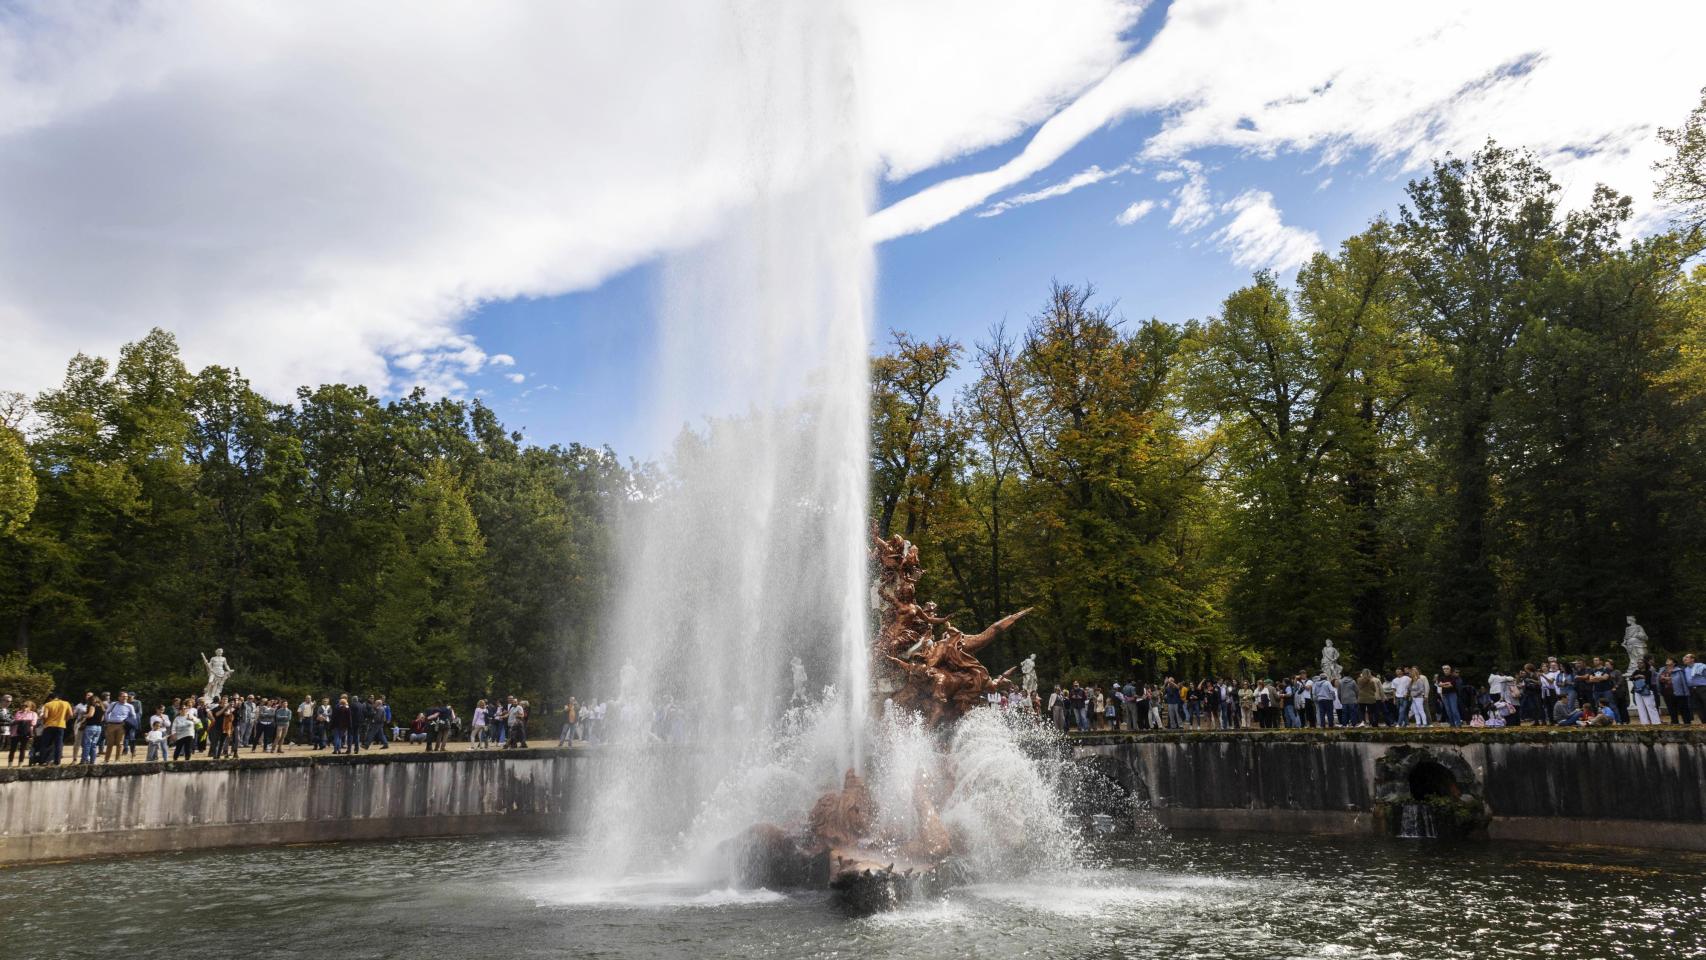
(746, 568)
(928, 683)
(748, 550)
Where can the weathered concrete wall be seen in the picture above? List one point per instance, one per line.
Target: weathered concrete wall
(1627, 787)
(50, 813)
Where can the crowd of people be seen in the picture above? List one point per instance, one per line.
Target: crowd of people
(104, 728)
(1591, 692)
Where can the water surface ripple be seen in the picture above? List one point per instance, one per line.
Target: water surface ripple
(1174, 897)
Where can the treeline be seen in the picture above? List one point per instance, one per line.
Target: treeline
(339, 543)
(1475, 433)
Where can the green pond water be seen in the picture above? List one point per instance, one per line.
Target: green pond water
(1177, 896)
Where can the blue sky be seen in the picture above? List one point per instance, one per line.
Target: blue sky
(477, 200)
(586, 355)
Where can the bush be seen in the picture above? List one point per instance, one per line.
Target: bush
(22, 681)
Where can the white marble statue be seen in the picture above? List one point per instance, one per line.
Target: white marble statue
(1028, 674)
(799, 679)
(629, 687)
(217, 672)
(1634, 641)
(1330, 662)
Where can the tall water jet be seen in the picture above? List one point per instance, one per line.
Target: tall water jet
(751, 550)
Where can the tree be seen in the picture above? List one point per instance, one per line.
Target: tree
(23, 681)
(1682, 175)
(912, 443)
(17, 483)
(1106, 484)
(1596, 449)
(1478, 237)
(1301, 400)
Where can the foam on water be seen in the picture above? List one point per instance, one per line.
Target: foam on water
(647, 892)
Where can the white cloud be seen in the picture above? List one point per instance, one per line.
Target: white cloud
(1257, 239)
(948, 77)
(502, 360)
(1082, 178)
(1135, 212)
(1193, 208)
(1400, 83)
(515, 377)
(323, 192)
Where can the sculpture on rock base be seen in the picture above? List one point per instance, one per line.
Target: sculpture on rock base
(839, 845)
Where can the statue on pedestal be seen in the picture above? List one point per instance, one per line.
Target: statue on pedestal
(1634, 641)
(1028, 674)
(217, 671)
(629, 685)
(1330, 663)
(799, 680)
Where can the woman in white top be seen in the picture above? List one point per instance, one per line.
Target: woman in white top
(478, 736)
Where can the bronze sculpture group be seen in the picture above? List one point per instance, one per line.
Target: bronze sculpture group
(939, 677)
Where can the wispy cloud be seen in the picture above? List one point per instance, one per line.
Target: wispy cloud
(1135, 212)
(1192, 206)
(1083, 178)
(1400, 84)
(1257, 238)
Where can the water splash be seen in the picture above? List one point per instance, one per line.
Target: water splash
(1010, 810)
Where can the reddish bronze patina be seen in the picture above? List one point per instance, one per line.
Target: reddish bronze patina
(936, 676)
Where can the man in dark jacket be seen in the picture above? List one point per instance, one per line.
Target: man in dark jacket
(357, 721)
(340, 724)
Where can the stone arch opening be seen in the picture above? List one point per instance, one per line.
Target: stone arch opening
(1429, 778)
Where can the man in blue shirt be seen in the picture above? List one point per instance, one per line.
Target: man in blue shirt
(1324, 691)
(1696, 673)
(119, 713)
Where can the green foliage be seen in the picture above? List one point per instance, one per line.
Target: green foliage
(1472, 435)
(341, 544)
(1682, 175)
(22, 681)
(17, 483)
(1064, 481)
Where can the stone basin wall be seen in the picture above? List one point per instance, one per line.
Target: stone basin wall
(1626, 787)
(1634, 787)
(66, 812)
